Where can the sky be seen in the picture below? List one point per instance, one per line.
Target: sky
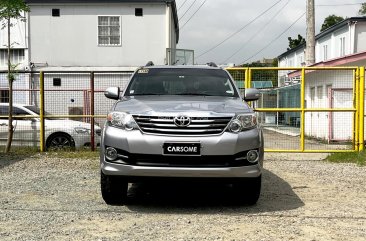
(244, 31)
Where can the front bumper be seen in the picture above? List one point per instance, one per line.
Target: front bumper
(148, 171)
(225, 147)
(82, 140)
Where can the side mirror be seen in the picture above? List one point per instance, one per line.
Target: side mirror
(112, 93)
(251, 94)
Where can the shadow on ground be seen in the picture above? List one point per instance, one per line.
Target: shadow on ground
(10, 159)
(277, 195)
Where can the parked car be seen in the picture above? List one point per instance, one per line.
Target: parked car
(181, 122)
(59, 133)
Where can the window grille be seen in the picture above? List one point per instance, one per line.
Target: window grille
(16, 56)
(109, 30)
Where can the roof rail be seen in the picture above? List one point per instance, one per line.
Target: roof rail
(150, 63)
(211, 64)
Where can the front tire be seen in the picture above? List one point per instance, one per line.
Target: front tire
(114, 189)
(248, 190)
(60, 141)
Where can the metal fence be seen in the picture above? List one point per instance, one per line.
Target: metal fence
(300, 109)
(308, 109)
(73, 104)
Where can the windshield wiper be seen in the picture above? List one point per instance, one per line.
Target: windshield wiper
(146, 94)
(197, 94)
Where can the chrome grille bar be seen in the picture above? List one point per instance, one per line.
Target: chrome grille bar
(198, 125)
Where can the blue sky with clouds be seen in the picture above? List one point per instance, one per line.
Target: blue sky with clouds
(234, 32)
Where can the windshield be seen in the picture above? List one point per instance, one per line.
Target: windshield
(185, 81)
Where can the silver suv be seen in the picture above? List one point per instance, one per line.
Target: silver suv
(181, 122)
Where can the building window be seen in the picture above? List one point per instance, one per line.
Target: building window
(56, 81)
(4, 96)
(139, 12)
(109, 30)
(342, 50)
(55, 12)
(16, 56)
(325, 52)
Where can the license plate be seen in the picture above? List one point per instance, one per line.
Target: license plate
(182, 149)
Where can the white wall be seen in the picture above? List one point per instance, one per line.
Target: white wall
(72, 38)
(360, 37)
(325, 125)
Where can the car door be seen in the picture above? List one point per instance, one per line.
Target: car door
(26, 129)
(4, 124)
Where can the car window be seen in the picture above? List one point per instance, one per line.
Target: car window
(185, 81)
(20, 112)
(38, 111)
(4, 111)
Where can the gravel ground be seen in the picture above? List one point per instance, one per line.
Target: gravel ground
(303, 198)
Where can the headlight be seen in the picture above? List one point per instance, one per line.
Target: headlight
(122, 120)
(242, 122)
(82, 130)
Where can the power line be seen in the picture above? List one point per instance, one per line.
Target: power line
(193, 14)
(238, 31)
(336, 5)
(182, 4)
(255, 34)
(274, 40)
(187, 10)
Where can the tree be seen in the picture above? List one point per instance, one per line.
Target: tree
(362, 10)
(293, 43)
(264, 75)
(330, 21)
(11, 10)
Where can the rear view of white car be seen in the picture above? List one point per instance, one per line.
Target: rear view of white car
(59, 133)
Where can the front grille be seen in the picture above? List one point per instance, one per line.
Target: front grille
(198, 125)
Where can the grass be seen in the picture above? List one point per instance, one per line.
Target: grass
(83, 153)
(26, 152)
(351, 157)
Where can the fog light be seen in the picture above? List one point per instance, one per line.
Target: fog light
(111, 153)
(252, 156)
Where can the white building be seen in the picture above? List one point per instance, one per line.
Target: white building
(343, 44)
(94, 34)
(87, 35)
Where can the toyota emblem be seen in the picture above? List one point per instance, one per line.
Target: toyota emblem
(182, 121)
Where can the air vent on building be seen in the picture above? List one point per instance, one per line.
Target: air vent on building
(139, 12)
(56, 81)
(55, 12)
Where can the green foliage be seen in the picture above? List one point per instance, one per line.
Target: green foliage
(12, 9)
(352, 157)
(264, 75)
(362, 10)
(330, 21)
(293, 43)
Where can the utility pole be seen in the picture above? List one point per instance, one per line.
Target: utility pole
(310, 33)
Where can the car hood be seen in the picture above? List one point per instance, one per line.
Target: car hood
(166, 105)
